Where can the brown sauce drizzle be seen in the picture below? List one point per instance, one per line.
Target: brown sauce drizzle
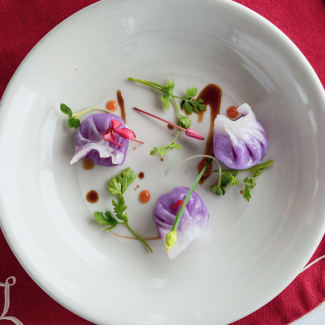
(135, 238)
(87, 164)
(92, 196)
(211, 95)
(141, 175)
(161, 159)
(120, 101)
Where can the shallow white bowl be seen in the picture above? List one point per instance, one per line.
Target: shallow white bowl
(254, 250)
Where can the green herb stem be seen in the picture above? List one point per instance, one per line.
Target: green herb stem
(265, 165)
(188, 195)
(87, 110)
(141, 239)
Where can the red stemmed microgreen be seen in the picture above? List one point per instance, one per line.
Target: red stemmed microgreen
(189, 132)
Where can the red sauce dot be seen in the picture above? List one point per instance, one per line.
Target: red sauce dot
(141, 175)
(170, 127)
(144, 196)
(92, 196)
(232, 112)
(111, 105)
(207, 172)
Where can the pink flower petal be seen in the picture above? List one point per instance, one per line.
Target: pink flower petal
(126, 133)
(116, 124)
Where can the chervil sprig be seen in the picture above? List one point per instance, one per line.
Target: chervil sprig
(230, 177)
(117, 186)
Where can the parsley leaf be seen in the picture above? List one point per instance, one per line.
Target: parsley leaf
(106, 219)
(120, 208)
(118, 184)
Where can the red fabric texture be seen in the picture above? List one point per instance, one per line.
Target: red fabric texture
(24, 22)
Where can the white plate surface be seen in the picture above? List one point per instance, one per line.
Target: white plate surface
(253, 251)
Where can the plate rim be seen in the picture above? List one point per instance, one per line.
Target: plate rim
(294, 51)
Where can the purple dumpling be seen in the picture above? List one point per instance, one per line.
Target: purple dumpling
(242, 143)
(91, 144)
(193, 223)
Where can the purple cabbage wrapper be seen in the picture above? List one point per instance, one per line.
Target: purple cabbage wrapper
(194, 220)
(242, 143)
(90, 143)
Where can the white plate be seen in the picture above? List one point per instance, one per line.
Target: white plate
(254, 250)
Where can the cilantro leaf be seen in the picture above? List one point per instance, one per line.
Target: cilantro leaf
(106, 219)
(118, 184)
(66, 109)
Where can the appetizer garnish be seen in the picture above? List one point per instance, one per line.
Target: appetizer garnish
(188, 104)
(230, 177)
(101, 138)
(189, 132)
(181, 216)
(74, 119)
(240, 143)
(117, 186)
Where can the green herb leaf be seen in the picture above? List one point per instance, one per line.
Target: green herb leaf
(167, 91)
(191, 92)
(163, 150)
(227, 177)
(184, 121)
(193, 105)
(73, 122)
(120, 208)
(250, 183)
(65, 109)
(106, 219)
(118, 184)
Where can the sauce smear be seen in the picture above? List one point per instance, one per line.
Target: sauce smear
(111, 105)
(144, 196)
(211, 95)
(87, 164)
(120, 101)
(141, 175)
(92, 196)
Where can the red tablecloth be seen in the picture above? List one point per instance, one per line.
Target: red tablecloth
(23, 23)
